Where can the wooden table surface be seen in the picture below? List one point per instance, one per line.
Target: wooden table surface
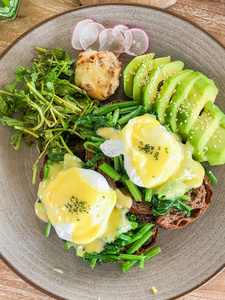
(209, 14)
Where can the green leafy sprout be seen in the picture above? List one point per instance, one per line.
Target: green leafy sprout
(43, 104)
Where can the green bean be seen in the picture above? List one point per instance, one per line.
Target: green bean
(110, 171)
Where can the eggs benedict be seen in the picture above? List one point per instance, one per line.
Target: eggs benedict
(81, 206)
(153, 157)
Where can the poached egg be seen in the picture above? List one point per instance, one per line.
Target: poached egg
(81, 206)
(153, 157)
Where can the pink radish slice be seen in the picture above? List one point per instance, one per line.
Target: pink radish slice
(114, 43)
(140, 42)
(120, 27)
(89, 36)
(129, 38)
(103, 37)
(78, 28)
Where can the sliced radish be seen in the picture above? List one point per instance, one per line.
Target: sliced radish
(78, 28)
(120, 27)
(129, 38)
(103, 37)
(114, 43)
(140, 41)
(89, 36)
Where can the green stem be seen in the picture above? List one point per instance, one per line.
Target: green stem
(148, 195)
(40, 156)
(60, 71)
(106, 109)
(185, 197)
(40, 113)
(40, 49)
(139, 243)
(110, 171)
(65, 146)
(10, 94)
(93, 262)
(48, 228)
(117, 163)
(131, 115)
(27, 131)
(75, 87)
(116, 115)
(126, 266)
(210, 175)
(133, 189)
(70, 105)
(132, 257)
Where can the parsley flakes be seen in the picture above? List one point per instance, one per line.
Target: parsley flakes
(75, 206)
(148, 149)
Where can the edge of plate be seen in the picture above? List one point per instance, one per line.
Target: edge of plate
(8, 264)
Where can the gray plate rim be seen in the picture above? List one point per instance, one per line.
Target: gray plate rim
(8, 264)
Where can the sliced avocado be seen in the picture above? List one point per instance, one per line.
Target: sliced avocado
(203, 129)
(131, 69)
(204, 90)
(181, 93)
(215, 148)
(149, 90)
(142, 73)
(166, 92)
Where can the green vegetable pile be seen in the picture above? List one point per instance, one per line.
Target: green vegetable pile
(124, 247)
(42, 104)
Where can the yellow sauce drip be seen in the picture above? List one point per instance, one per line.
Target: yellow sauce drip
(123, 201)
(40, 212)
(117, 224)
(107, 132)
(189, 175)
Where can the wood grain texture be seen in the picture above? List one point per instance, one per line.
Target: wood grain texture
(209, 14)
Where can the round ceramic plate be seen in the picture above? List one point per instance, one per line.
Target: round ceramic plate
(189, 257)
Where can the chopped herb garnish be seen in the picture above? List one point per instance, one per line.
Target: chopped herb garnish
(148, 149)
(75, 206)
(156, 155)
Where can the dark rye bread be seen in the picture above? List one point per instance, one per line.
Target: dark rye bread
(200, 200)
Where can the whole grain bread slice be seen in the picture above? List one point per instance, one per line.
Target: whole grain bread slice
(200, 200)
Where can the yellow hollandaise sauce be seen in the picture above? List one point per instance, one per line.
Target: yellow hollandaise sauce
(154, 158)
(81, 206)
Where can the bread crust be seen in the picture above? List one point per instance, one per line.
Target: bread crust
(200, 200)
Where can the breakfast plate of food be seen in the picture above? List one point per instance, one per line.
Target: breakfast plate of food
(112, 155)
